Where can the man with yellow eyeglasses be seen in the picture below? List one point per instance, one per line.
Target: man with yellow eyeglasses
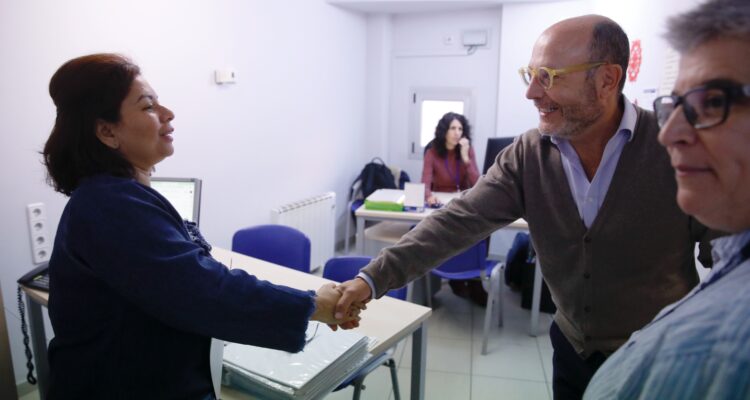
(598, 193)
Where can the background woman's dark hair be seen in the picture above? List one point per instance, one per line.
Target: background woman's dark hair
(442, 129)
(86, 89)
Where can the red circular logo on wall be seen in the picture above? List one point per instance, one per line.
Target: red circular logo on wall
(634, 67)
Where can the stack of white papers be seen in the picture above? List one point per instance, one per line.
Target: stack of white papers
(329, 358)
(385, 200)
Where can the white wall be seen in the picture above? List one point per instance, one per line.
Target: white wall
(521, 26)
(648, 27)
(290, 128)
(421, 59)
(379, 45)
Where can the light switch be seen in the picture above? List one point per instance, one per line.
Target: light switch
(223, 76)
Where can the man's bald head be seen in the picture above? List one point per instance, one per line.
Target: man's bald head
(605, 38)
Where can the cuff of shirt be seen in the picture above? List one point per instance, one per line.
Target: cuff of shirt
(369, 283)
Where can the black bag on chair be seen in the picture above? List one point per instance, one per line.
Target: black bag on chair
(376, 175)
(519, 273)
(516, 261)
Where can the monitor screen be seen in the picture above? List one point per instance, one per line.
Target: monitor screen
(183, 193)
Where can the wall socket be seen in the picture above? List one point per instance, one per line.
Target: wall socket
(41, 248)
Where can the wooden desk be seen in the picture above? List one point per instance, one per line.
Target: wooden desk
(387, 319)
(363, 215)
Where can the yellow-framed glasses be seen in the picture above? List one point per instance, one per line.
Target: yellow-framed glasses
(546, 76)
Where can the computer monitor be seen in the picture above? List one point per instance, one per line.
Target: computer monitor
(494, 146)
(183, 193)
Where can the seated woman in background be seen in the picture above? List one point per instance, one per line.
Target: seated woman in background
(451, 166)
(449, 163)
(135, 296)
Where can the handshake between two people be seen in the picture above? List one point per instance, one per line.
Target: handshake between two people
(340, 305)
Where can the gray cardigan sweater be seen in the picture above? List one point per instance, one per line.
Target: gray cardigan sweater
(607, 281)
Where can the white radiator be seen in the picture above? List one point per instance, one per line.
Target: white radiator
(316, 218)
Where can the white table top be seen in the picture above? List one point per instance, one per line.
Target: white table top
(387, 319)
(418, 216)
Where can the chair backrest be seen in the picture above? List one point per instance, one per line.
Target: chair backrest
(471, 259)
(342, 269)
(278, 244)
(494, 146)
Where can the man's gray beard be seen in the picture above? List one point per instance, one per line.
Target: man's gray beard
(578, 117)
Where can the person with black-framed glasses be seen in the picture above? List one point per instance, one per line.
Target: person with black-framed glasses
(699, 347)
(704, 106)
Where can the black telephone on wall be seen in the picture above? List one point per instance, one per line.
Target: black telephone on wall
(37, 278)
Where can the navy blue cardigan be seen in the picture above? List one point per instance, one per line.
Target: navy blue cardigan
(134, 301)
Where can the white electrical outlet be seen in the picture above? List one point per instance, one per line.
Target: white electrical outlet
(41, 255)
(41, 247)
(36, 211)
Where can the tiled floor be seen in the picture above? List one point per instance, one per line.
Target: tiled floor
(518, 366)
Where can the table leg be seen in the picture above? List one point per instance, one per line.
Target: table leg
(418, 361)
(536, 299)
(360, 238)
(39, 345)
(216, 357)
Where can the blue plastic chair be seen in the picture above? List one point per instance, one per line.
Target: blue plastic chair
(342, 269)
(279, 244)
(471, 264)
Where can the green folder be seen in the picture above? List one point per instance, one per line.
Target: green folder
(385, 200)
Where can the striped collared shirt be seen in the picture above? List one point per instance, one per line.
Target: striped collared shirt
(696, 348)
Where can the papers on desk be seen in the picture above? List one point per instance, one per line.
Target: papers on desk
(327, 359)
(385, 200)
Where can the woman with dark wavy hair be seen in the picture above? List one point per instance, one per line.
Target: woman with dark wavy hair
(449, 163)
(135, 296)
(451, 166)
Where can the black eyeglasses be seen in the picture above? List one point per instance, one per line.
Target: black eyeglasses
(704, 106)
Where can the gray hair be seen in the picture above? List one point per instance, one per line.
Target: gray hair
(610, 43)
(710, 20)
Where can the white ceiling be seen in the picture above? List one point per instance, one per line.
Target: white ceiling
(419, 6)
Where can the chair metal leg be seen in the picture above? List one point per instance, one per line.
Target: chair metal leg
(495, 300)
(346, 233)
(359, 385)
(394, 378)
(499, 288)
(427, 290)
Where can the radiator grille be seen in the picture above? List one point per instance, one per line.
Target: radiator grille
(316, 218)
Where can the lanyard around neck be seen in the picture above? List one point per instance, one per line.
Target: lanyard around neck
(457, 177)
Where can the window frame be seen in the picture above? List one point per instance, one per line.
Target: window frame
(418, 96)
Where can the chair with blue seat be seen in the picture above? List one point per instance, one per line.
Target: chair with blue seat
(472, 264)
(341, 269)
(278, 244)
